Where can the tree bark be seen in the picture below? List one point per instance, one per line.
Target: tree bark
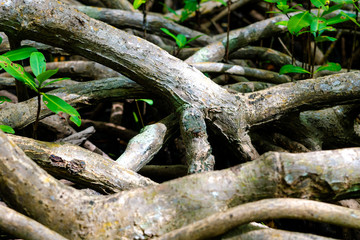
(325, 175)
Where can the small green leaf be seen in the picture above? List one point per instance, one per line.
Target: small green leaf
(76, 120)
(37, 63)
(320, 3)
(184, 16)
(292, 69)
(170, 9)
(282, 23)
(181, 40)
(138, 3)
(4, 99)
(6, 129)
(168, 33)
(46, 75)
(343, 1)
(351, 18)
(57, 105)
(325, 38)
(337, 19)
(222, 2)
(192, 39)
(148, 101)
(18, 72)
(56, 80)
(299, 21)
(0, 40)
(20, 53)
(332, 9)
(317, 24)
(330, 66)
(135, 117)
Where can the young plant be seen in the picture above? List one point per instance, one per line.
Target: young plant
(190, 7)
(15, 55)
(5, 128)
(137, 4)
(180, 40)
(148, 101)
(38, 67)
(316, 25)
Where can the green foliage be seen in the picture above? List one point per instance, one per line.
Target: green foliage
(38, 67)
(6, 129)
(292, 69)
(190, 7)
(4, 99)
(58, 105)
(330, 66)
(180, 39)
(299, 21)
(316, 24)
(20, 53)
(148, 101)
(138, 3)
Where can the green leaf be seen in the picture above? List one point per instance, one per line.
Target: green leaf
(58, 105)
(343, 1)
(192, 39)
(191, 5)
(282, 23)
(6, 129)
(46, 75)
(222, 2)
(4, 99)
(292, 69)
(317, 24)
(56, 80)
(18, 72)
(337, 19)
(148, 101)
(320, 3)
(168, 33)
(351, 18)
(138, 3)
(135, 117)
(170, 9)
(325, 38)
(299, 21)
(76, 120)
(184, 15)
(332, 9)
(330, 66)
(20, 53)
(37, 63)
(181, 40)
(0, 40)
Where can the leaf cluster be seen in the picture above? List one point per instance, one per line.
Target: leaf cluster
(180, 39)
(314, 23)
(40, 81)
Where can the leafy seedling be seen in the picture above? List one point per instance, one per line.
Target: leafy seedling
(38, 67)
(316, 25)
(180, 39)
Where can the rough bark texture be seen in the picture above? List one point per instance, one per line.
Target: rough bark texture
(199, 104)
(152, 212)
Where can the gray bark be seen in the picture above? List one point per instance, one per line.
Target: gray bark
(158, 209)
(325, 175)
